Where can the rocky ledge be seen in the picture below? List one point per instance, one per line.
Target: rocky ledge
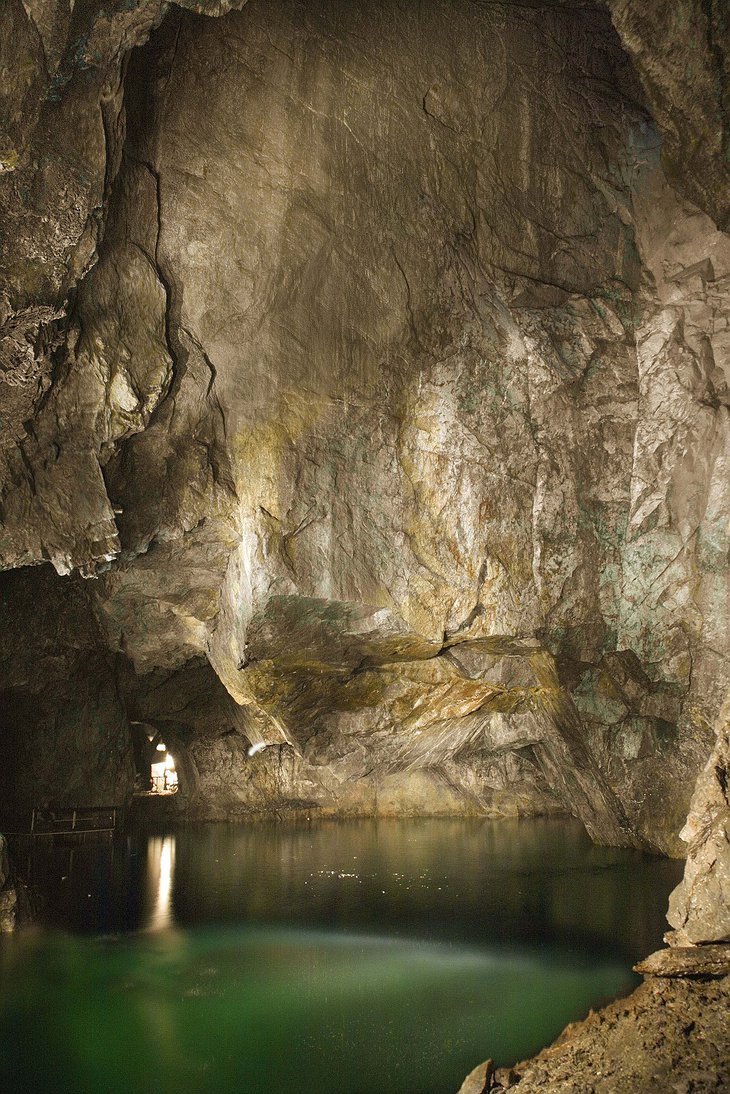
(671, 1036)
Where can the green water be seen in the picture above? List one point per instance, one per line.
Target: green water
(342, 958)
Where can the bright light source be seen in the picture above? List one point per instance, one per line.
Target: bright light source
(161, 747)
(256, 748)
(164, 775)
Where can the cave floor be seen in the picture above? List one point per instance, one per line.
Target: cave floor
(670, 1036)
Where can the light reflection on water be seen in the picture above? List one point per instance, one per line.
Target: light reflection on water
(350, 958)
(160, 873)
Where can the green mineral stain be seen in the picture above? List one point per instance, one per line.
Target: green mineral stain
(621, 298)
(713, 548)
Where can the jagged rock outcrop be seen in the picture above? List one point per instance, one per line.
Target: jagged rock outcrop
(387, 384)
(699, 908)
(372, 359)
(681, 52)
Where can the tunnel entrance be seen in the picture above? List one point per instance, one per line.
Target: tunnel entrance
(155, 771)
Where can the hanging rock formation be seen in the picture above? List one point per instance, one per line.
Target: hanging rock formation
(372, 362)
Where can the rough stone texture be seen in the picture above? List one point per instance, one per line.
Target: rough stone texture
(670, 1035)
(225, 772)
(375, 366)
(397, 391)
(62, 71)
(479, 1080)
(64, 731)
(699, 908)
(682, 54)
(695, 961)
(8, 895)
(414, 433)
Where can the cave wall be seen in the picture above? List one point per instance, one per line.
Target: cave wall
(680, 52)
(395, 391)
(64, 733)
(226, 771)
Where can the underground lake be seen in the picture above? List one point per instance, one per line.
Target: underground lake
(343, 957)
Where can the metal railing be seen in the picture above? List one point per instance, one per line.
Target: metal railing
(164, 784)
(48, 821)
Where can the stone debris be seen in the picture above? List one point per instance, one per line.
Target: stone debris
(479, 1081)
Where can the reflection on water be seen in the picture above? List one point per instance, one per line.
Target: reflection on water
(160, 870)
(338, 958)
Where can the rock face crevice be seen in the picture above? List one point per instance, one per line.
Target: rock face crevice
(373, 364)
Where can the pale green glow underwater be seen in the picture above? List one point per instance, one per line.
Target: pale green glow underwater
(350, 959)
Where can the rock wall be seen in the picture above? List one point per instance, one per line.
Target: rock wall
(8, 895)
(680, 51)
(226, 770)
(65, 733)
(390, 413)
(699, 908)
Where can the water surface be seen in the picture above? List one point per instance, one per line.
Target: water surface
(340, 958)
